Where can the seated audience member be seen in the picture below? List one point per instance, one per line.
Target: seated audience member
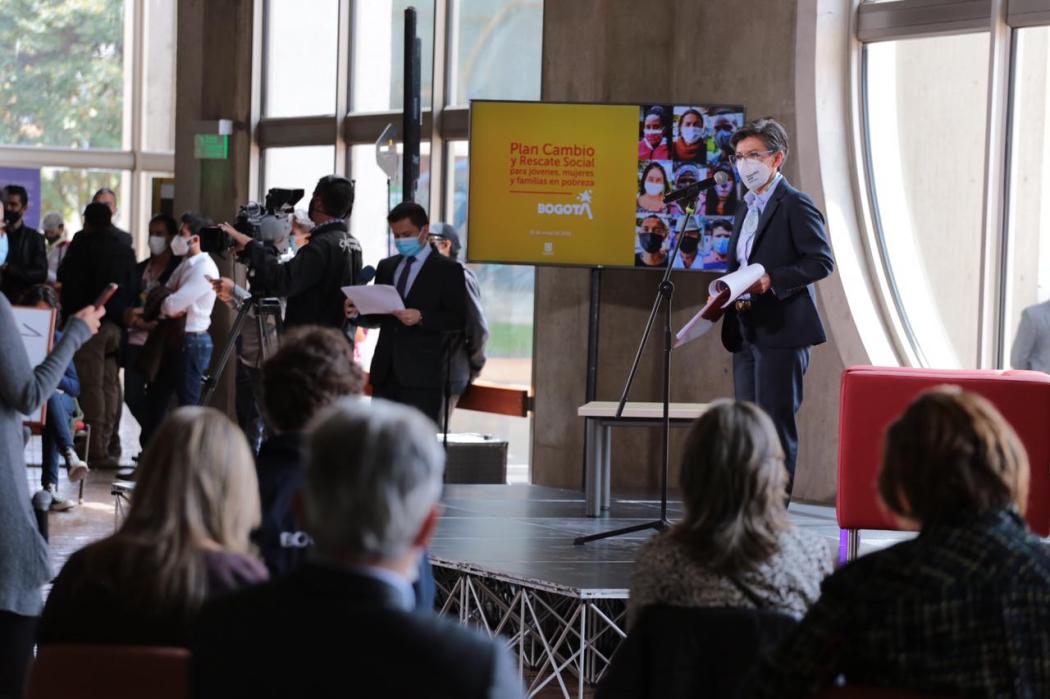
(370, 509)
(313, 368)
(961, 610)
(184, 540)
(56, 438)
(309, 372)
(735, 546)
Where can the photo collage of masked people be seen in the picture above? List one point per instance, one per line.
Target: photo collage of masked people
(677, 146)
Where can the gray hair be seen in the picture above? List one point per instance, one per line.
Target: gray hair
(374, 471)
(52, 221)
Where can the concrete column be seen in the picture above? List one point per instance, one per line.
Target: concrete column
(676, 51)
(214, 81)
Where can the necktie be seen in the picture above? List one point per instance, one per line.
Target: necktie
(402, 281)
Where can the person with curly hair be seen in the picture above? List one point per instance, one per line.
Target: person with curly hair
(313, 367)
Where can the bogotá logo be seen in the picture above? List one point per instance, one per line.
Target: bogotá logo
(581, 208)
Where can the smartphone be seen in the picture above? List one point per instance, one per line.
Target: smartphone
(106, 295)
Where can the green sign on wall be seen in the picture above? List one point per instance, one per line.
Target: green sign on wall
(211, 147)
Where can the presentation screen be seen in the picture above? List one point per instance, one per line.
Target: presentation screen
(583, 184)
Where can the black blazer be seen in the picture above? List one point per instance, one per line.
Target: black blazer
(690, 652)
(26, 263)
(792, 245)
(416, 355)
(325, 632)
(313, 279)
(93, 260)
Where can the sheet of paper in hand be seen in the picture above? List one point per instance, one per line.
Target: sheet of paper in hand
(374, 299)
(723, 291)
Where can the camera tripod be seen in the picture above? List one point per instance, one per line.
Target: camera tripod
(262, 309)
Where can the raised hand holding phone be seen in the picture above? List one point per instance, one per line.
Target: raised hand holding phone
(106, 294)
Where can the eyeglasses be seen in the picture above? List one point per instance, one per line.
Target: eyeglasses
(753, 155)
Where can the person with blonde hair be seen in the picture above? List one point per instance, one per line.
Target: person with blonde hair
(184, 540)
(735, 546)
(963, 609)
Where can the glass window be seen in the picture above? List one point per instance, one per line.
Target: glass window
(1029, 212)
(496, 49)
(373, 199)
(63, 74)
(507, 293)
(297, 168)
(67, 191)
(158, 103)
(379, 54)
(926, 117)
(301, 57)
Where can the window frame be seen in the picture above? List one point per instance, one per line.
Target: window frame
(134, 159)
(908, 19)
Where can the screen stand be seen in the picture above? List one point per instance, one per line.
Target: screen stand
(664, 297)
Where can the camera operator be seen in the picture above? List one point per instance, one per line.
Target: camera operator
(311, 281)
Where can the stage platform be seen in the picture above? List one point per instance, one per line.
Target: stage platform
(505, 561)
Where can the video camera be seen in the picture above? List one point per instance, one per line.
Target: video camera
(266, 222)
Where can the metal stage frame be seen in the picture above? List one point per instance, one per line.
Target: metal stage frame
(505, 563)
(558, 633)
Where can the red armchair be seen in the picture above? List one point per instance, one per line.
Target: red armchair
(872, 397)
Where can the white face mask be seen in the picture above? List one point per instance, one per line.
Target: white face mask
(654, 189)
(691, 134)
(180, 246)
(157, 244)
(754, 173)
(654, 136)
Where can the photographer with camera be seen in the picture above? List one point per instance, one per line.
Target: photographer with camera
(311, 281)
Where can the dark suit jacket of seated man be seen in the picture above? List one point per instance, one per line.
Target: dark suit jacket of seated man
(410, 362)
(343, 624)
(770, 340)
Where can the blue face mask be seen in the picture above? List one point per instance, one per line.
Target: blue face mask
(409, 247)
(722, 246)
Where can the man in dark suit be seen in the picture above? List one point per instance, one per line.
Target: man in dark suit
(24, 263)
(770, 329)
(370, 504)
(410, 359)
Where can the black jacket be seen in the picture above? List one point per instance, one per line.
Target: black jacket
(94, 260)
(312, 280)
(280, 468)
(266, 642)
(792, 245)
(415, 356)
(676, 652)
(26, 263)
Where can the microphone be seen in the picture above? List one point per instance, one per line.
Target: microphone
(721, 177)
(367, 274)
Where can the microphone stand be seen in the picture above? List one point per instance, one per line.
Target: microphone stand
(664, 296)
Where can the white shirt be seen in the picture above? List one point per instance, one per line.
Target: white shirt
(192, 293)
(756, 204)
